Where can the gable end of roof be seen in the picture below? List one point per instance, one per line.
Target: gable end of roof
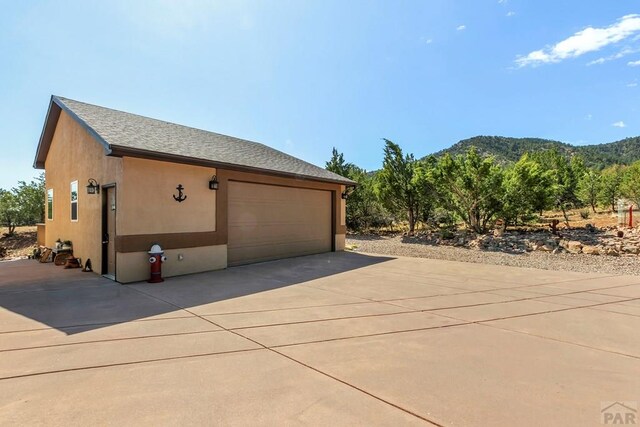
(56, 106)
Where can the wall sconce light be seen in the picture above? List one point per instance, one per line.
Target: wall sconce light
(93, 187)
(213, 183)
(347, 192)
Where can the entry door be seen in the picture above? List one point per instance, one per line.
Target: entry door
(269, 222)
(109, 237)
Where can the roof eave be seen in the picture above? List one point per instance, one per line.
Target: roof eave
(48, 128)
(56, 106)
(119, 151)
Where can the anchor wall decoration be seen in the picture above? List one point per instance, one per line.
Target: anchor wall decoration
(181, 197)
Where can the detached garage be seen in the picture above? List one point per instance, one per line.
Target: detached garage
(118, 183)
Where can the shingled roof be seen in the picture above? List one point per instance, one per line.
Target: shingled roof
(124, 134)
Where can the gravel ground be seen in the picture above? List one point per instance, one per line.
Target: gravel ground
(394, 245)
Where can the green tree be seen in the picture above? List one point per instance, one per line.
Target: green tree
(589, 188)
(363, 208)
(31, 199)
(565, 174)
(10, 212)
(471, 187)
(23, 205)
(610, 188)
(397, 187)
(527, 190)
(630, 187)
(424, 181)
(337, 164)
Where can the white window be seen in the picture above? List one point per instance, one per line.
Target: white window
(50, 204)
(74, 201)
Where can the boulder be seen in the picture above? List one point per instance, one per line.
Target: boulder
(590, 250)
(631, 249)
(572, 246)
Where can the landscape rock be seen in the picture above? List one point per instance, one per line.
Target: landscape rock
(573, 246)
(591, 250)
(588, 240)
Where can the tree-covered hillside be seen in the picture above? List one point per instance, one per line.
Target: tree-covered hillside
(509, 150)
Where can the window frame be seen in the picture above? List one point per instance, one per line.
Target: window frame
(71, 191)
(50, 204)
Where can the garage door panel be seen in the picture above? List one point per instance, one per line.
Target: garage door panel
(270, 222)
(280, 234)
(267, 251)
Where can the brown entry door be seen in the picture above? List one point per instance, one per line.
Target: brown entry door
(109, 237)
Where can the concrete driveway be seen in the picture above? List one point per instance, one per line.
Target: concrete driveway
(333, 339)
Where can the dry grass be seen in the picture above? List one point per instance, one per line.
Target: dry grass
(21, 244)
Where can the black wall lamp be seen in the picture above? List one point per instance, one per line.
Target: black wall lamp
(93, 187)
(213, 183)
(347, 192)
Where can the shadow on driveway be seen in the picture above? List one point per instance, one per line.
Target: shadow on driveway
(36, 296)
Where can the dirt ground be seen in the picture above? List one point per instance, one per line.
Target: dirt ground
(20, 245)
(598, 219)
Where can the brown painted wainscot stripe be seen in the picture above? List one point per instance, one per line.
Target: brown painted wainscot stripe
(143, 242)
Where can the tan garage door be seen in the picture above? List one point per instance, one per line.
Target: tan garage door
(270, 222)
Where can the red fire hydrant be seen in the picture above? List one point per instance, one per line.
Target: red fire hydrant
(156, 258)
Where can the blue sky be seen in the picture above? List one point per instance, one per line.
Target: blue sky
(305, 76)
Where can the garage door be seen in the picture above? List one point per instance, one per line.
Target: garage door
(269, 222)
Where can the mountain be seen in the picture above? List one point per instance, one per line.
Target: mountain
(508, 150)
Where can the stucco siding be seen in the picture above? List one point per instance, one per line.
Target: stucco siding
(75, 155)
(146, 200)
(134, 266)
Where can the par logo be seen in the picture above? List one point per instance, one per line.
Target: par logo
(619, 413)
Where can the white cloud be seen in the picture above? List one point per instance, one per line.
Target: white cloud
(632, 84)
(619, 124)
(634, 63)
(624, 52)
(588, 117)
(426, 40)
(461, 27)
(597, 61)
(503, 1)
(588, 40)
(511, 13)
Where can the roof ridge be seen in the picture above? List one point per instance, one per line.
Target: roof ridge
(62, 99)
